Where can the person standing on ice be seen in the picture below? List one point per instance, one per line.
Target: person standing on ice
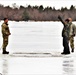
(5, 35)
(72, 32)
(65, 35)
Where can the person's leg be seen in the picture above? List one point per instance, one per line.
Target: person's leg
(66, 46)
(72, 43)
(5, 43)
(63, 46)
(67, 51)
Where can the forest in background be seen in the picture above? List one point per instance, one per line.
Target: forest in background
(36, 13)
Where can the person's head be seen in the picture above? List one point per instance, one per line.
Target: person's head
(66, 21)
(70, 20)
(6, 20)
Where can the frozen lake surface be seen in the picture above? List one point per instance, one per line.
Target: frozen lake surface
(10, 65)
(35, 49)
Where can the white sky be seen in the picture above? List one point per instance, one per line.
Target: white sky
(53, 3)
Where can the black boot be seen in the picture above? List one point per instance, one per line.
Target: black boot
(62, 53)
(72, 50)
(5, 52)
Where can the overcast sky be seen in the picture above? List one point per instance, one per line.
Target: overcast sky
(53, 3)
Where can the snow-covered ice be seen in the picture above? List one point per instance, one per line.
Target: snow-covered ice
(10, 65)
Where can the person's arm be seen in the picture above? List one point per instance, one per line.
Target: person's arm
(61, 20)
(9, 31)
(74, 30)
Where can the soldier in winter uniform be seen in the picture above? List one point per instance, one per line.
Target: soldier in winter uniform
(72, 32)
(5, 35)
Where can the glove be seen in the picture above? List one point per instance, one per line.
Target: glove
(73, 35)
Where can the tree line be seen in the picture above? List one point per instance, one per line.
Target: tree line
(36, 13)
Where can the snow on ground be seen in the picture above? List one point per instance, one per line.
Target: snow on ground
(45, 64)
